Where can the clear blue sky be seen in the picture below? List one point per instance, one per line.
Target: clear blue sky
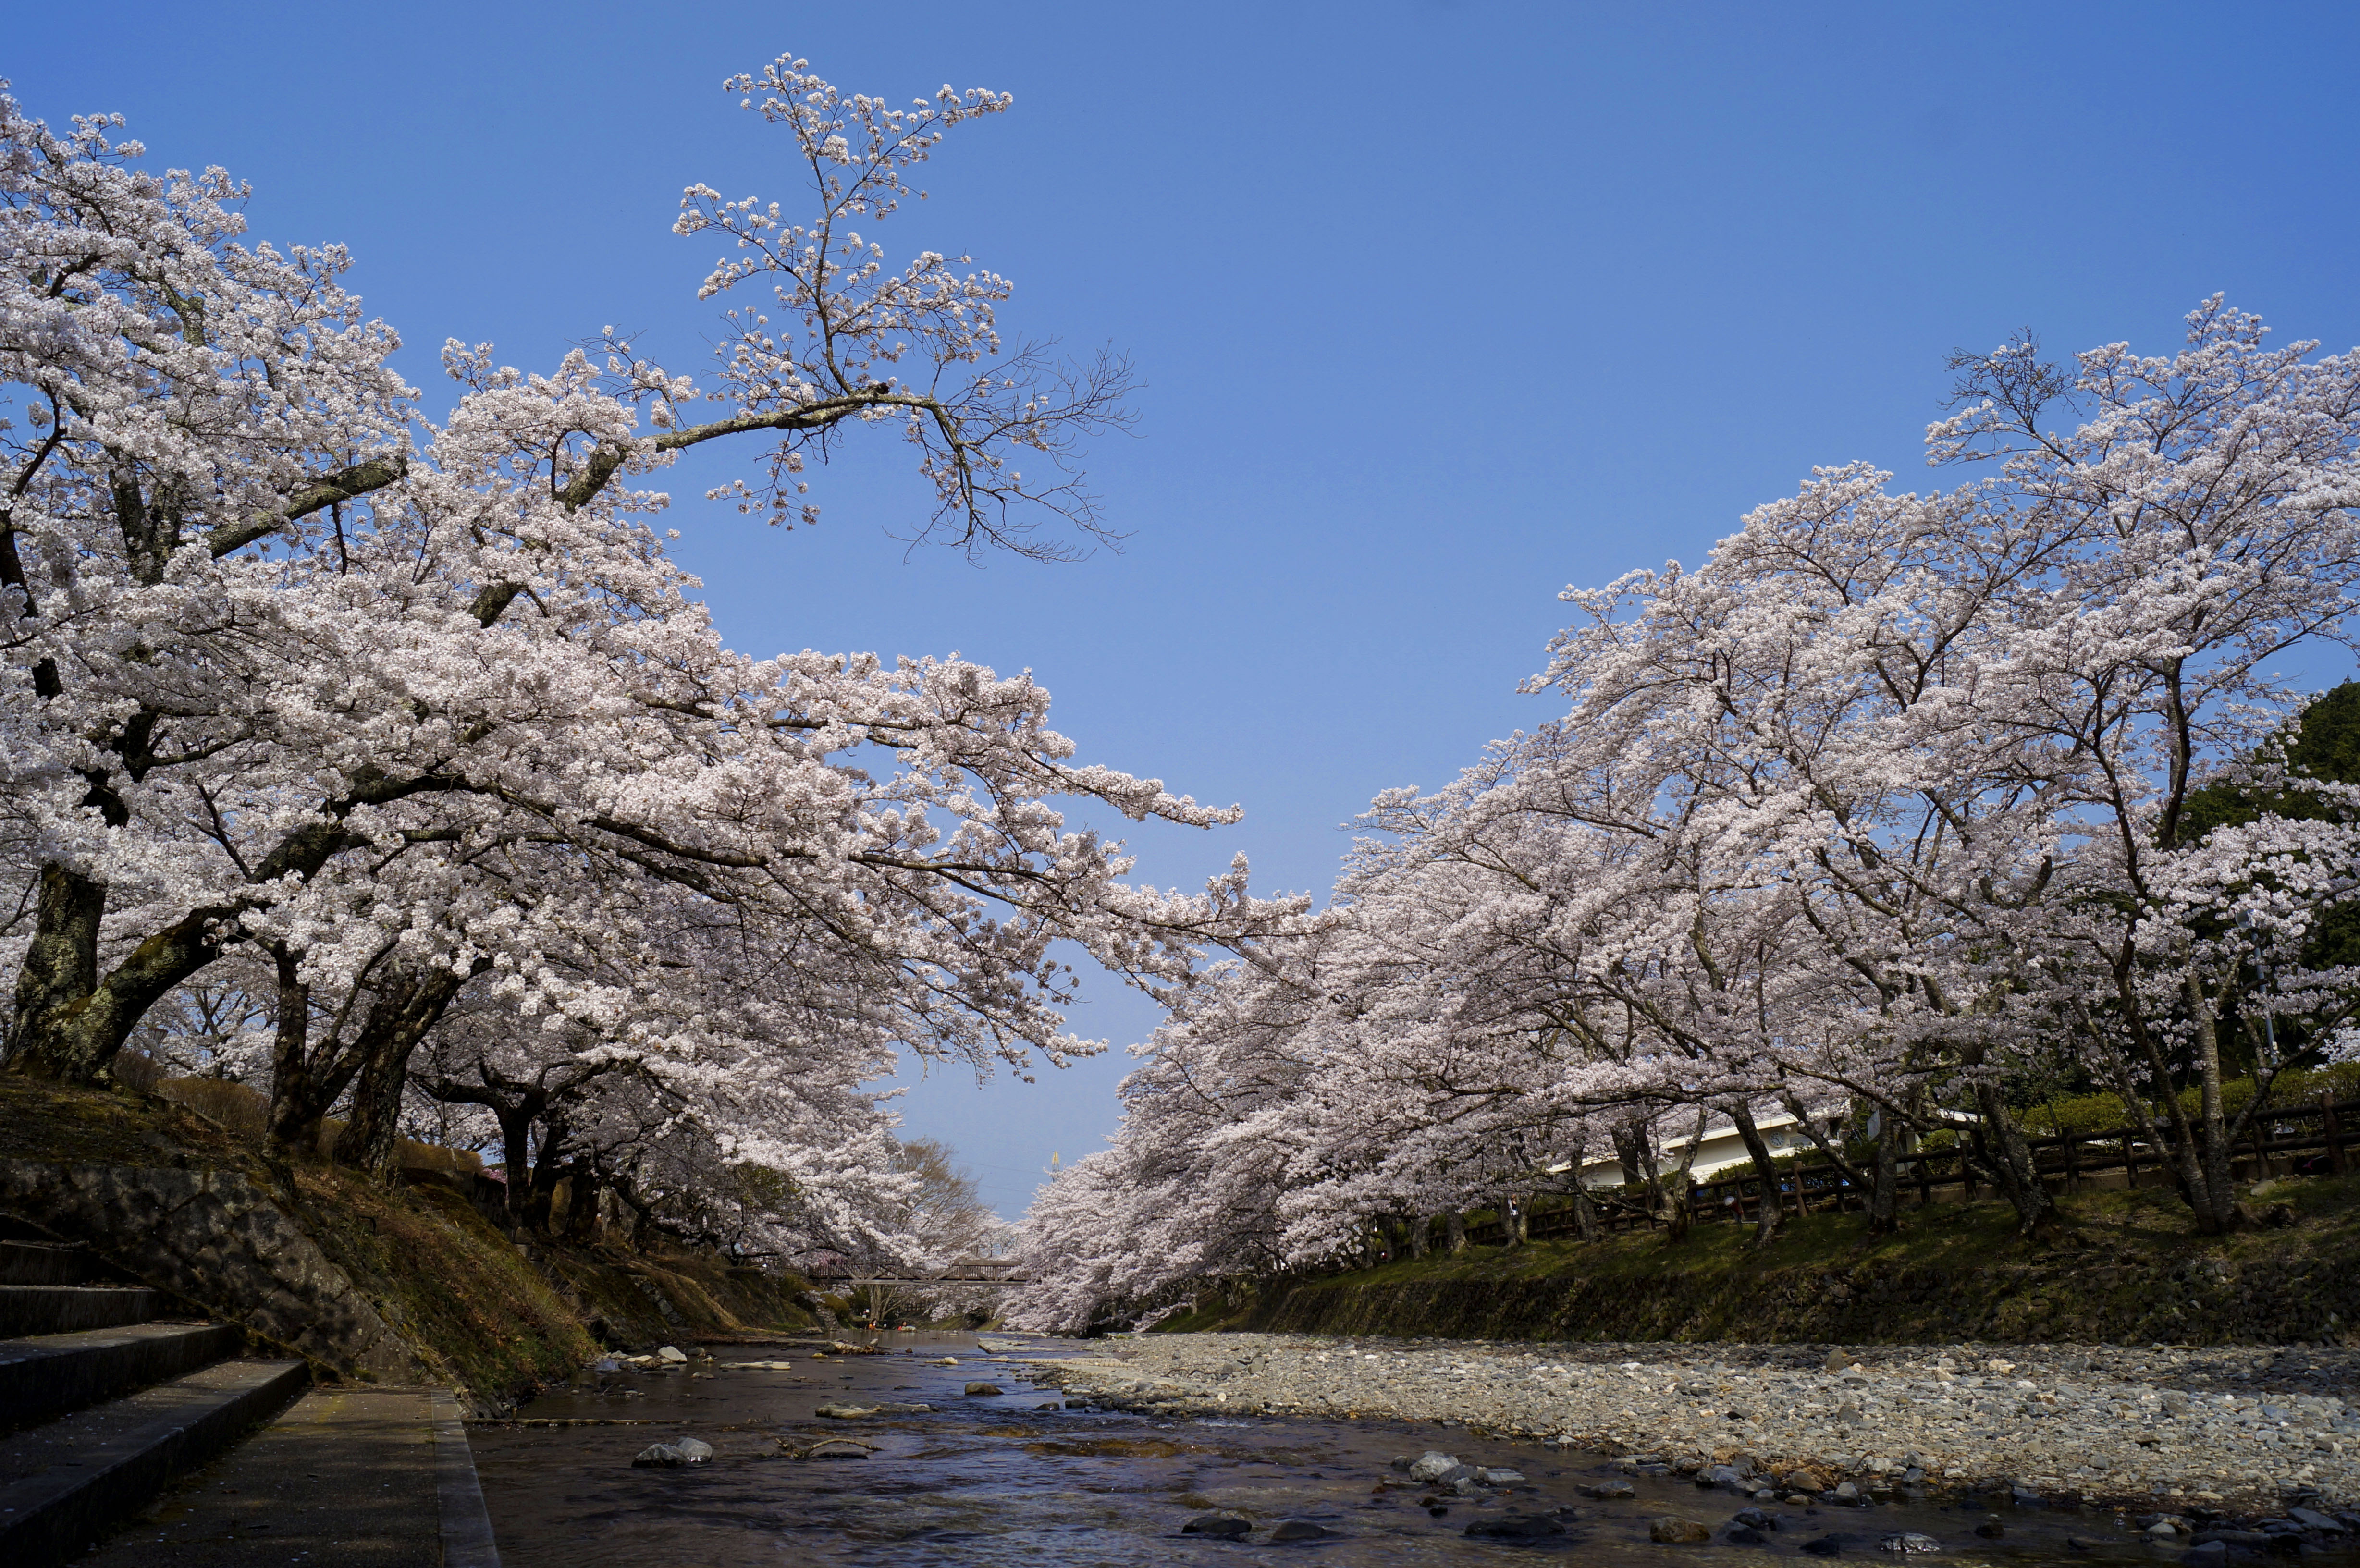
(1439, 306)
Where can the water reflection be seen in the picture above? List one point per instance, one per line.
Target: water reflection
(1001, 1480)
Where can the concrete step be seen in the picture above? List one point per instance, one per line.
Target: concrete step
(44, 1263)
(46, 1377)
(348, 1478)
(65, 1484)
(67, 1309)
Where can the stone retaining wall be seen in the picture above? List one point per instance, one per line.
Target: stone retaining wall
(220, 1245)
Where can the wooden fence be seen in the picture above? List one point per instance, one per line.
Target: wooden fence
(2316, 1137)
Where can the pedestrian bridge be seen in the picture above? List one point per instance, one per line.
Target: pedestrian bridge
(959, 1271)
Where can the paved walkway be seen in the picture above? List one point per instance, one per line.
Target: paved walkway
(346, 1479)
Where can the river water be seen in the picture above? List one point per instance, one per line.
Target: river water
(1001, 1480)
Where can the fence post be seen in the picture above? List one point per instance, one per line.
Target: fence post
(2072, 1162)
(2331, 1129)
(1925, 1182)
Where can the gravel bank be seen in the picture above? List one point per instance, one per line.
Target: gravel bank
(2230, 1429)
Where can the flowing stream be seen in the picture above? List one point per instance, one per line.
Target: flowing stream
(1003, 1480)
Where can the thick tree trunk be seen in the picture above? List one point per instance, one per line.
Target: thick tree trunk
(2214, 1194)
(2011, 1167)
(1881, 1181)
(1585, 1213)
(297, 1099)
(516, 1150)
(70, 1020)
(1514, 1217)
(1765, 1172)
(1415, 1237)
(551, 1165)
(1454, 1232)
(1675, 1204)
(1884, 1187)
(1634, 1153)
(582, 1191)
(372, 1138)
(60, 969)
(409, 1005)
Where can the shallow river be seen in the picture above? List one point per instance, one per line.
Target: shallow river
(1001, 1481)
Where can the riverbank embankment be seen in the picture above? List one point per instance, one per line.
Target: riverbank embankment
(406, 1284)
(2169, 1429)
(2128, 1268)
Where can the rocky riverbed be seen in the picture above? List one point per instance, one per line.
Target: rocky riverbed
(2211, 1431)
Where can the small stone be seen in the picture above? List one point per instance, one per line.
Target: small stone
(1909, 1541)
(669, 1354)
(1301, 1530)
(1745, 1535)
(1824, 1546)
(1673, 1530)
(984, 1390)
(1611, 1491)
(1228, 1527)
(672, 1456)
(1433, 1466)
(2311, 1519)
(1499, 1475)
(1847, 1493)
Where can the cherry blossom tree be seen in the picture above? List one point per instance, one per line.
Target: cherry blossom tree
(417, 728)
(1889, 803)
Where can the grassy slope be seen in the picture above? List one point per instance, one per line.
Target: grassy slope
(482, 1314)
(1955, 1270)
